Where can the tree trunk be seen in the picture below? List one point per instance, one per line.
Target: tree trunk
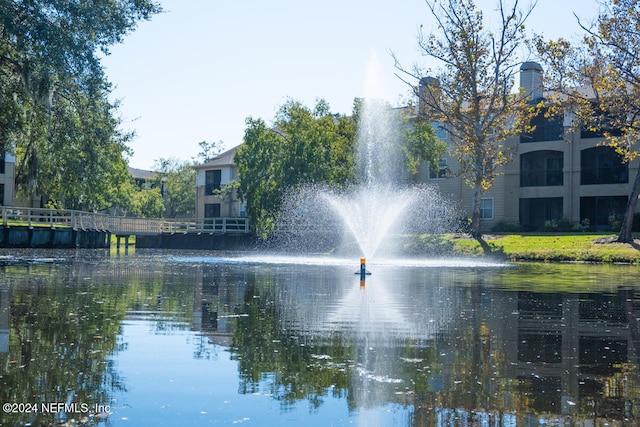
(475, 212)
(625, 235)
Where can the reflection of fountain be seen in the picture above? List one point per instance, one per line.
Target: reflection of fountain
(361, 219)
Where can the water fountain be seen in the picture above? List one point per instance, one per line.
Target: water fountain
(406, 303)
(366, 219)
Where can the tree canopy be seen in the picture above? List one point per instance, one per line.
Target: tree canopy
(55, 113)
(598, 80)
(302, 146)
(470, 94)
(311, 146)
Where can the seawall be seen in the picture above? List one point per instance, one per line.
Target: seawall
(46, 237)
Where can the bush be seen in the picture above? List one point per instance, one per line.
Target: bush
(583, 226)
(508, 227)
(563, 225)
(615, 222)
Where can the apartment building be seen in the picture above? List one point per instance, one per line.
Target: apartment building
(211, 178)
(7, 180)
(556, 174)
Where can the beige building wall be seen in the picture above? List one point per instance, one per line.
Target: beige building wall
(507, 190)
(229, 204)
(7, 181)
(514, 198)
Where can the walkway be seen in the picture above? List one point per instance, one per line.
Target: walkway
(117, 225)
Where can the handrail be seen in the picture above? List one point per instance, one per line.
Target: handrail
(79, 220)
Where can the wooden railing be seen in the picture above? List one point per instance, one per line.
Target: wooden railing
(207, 225)
(33, 217)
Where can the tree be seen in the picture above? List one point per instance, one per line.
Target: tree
(307, 146)
(303, 146)
(149, 203)
(53, 91)
(470, 95)
(80, 156)
(599, 81)
(209, 150)
(178, 178)
(421, 145)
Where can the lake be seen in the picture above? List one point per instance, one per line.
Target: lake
(149, 338)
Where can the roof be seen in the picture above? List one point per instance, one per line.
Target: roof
(222, 159)
(142, 174)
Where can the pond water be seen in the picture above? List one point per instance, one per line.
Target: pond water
(177, 338)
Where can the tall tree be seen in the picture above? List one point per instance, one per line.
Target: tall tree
(178, 180)
(53, 91)
(599, 81)
(306, 146)
(81, 151)
(470, 94)
(303, 146)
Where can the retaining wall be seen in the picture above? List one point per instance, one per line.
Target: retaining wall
(45, 237)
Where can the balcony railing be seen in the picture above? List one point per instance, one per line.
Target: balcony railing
(605, 175)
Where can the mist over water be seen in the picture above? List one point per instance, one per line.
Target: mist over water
(368, 218)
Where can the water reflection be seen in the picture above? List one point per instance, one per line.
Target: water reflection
(160, 338)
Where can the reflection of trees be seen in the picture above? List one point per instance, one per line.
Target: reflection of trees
(294, 365)
(64, 323)
(504, 356)
(62, 330)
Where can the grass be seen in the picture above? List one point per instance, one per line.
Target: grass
(554, 247)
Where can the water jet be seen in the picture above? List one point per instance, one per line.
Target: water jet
(370, 218)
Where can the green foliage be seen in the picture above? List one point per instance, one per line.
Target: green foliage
(562, 225)
(303, 146)
(554, 247)
(148, 203)
(507, 227)
(80, 163)
(209, 150)
(54, 109)
(178, 179)
(421, 145)
(306, 146)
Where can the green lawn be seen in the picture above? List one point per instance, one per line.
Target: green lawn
(556, 247)
(550, 247)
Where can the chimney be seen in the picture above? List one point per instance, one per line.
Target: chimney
(426, 90)
(531, 80)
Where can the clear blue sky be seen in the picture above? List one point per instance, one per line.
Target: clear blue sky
(198, 70)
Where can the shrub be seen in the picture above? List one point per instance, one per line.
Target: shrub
(563, 225)
(615, 222)
(508, 227)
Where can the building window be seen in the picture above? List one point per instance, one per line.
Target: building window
(535, 212)
(212, 181)
(440, 130)
(546, 128)
(602, 165)
(2, 161)
(601, 210)
(2, 194)
(606, 122)
(486, 208)
(541, 168)
(442, 172)
(212, 210)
